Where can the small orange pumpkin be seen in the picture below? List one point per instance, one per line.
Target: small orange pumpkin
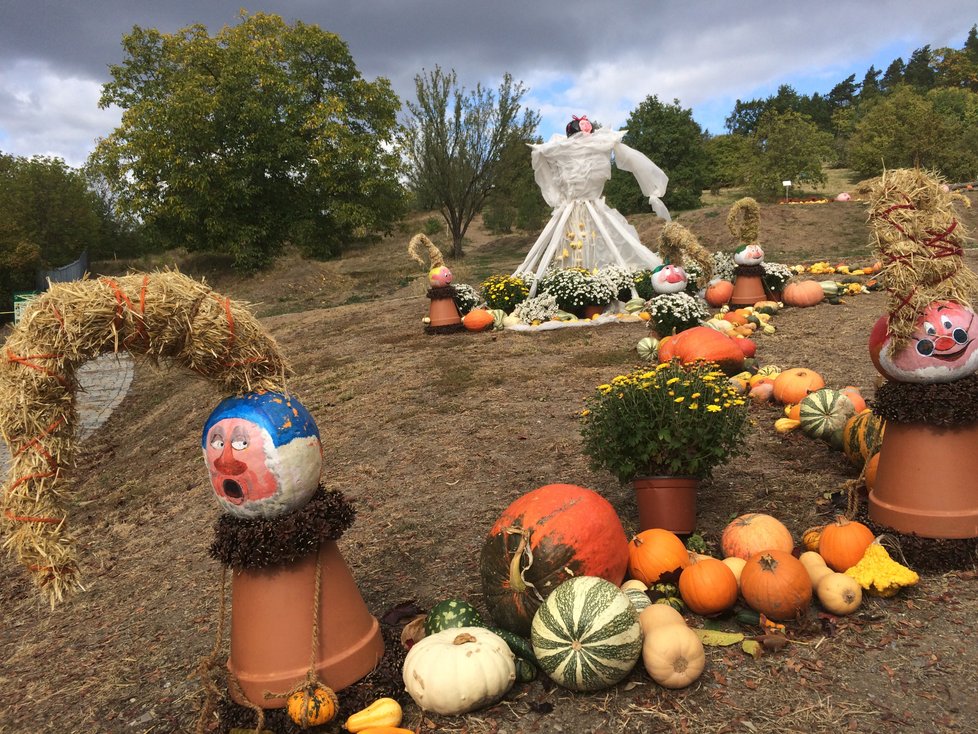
(791, 385)
(312, 705)
(708, 586)
(656, 555)
(735, 317)
(810, 538)
(478, 319)
(802, 293)
(776, 584)
(755, 532)
(843, 543)
(718, 293)
(855, 397)
(869, 473)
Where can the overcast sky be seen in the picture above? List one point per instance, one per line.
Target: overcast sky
(599, 58)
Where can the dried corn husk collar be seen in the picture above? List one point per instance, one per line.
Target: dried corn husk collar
(919, 242)
(744, 220)
(749, 270)
(944, 404)
(161, 317)
(442, 291)
(262, 542)
(676, 243)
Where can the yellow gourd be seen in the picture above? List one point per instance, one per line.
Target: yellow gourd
(382, 712)
(785, 425)
(879, 574)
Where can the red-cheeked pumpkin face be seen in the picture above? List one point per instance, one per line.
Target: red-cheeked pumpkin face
(943, 346)
(749, 255)
(669, 279)
(440, 277)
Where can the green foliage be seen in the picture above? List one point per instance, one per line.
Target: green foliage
(453, 143)
(670, 137)
(673, 420)
(260, 135)
(786, 146)
(516, 199)
(727, 154)
(433, 226)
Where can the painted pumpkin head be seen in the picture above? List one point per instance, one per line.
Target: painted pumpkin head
(749, 255)
(263, 454)
(440, 277)
(943, 346)
(669, 279)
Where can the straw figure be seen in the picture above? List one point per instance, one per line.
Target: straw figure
(162, 316)
(676, 243)
(743, 221)
(443, 315)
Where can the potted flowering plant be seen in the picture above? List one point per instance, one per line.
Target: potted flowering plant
(670, 313)
(775, 276)
(537, 309)
(575, 289)
(505, 291)
(675, 422)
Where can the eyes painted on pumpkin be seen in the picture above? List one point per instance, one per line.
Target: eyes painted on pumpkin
(239, 438)
(217, 440)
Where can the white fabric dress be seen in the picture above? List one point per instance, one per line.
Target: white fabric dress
(584, 231)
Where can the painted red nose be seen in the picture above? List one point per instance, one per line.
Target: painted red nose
(227, 464)
(943, 343)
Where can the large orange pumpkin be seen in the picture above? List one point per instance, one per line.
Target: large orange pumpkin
(754, 532)
(542, 539)
(843, 543)
(708, 586)
(776, 584)
(791, 385)
(701, 343)
(802, 293)
(656, 555)
(478, 319)
(718, 293)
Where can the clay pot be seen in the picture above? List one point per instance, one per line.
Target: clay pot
(589, 312)
(666, 502)
(748, 290)
(442, 312)
(927, 481)
(271, 628)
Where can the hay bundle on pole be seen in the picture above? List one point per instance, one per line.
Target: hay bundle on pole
(676, 243)
(162, 316)
(744, 220)
(919, 242)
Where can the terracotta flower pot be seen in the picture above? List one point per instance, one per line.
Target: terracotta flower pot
(589, 312)
(927, 481)
(271, 628)
(442, 312)
(666, 502)
(748, 290)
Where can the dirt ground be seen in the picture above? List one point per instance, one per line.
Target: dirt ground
(432, 437)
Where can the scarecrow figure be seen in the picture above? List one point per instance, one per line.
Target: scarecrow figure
(443, 316)
(743, 221)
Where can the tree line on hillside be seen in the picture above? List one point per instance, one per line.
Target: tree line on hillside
(265, 135)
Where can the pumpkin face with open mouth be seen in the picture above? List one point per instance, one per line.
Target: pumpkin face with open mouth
(943, 346)
(263, 454)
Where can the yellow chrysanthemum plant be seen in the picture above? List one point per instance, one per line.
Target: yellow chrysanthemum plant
(673, 420)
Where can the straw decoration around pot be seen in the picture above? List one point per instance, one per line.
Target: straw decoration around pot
(919, 242)
(744, 220)
(676, 243)
(160, 316)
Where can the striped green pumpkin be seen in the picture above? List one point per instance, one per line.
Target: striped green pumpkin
(586, 635)
(824, 413)
(639, 599)
(862, 436)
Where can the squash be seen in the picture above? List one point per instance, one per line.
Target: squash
(586, 635)
(810, 538)
(843, 543)
(879, 574)
(458, 670)
(708, 587)
(793, 411)
(823, 415)
(870, 470)
(754, 532)
(478, 319)
(647, 347)
(802, 293)
(634, 584)
(862, 436)
(312, 705)
(815, 566)
(839, 594)
(855, 397)
(387, 730)
(382, 712)
(543, 538)
(776, 584)
(659, 615)
(656, 555)
(736, 565)
(794, 384)
(639, 599)
(718, 293)
(451, 613)
(786, 425)
(701, 343)
(673, 655)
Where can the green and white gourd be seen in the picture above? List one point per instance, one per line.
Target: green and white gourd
(639, 599)
(586, 635)
(451, 613)
(823, 415)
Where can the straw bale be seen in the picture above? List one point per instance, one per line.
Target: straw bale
(919, 242)
(744, 220)
(163, 316)
(419, 241)
(676, 243)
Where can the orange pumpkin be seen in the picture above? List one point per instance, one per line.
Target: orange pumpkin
(776, 584)
(478, 319)
(802, 293)
(754, 532)
(855, 397)
(708, 586)
(718, 293)
(793, 411)
(735, 317)
(791, 385)
(656, 555)
(843, 543)
(810, 538)
(312, 705)
(869, 473)
(701, 343)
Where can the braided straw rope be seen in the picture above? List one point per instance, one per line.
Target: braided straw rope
(744, 220)
(162, 316)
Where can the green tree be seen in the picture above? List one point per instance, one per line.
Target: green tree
(955, 69)
(261, 135)
(893, 76)
(957, 156)
(786, 146)
(919, 72)
(669, 136)
(870, 85)
(516, 199)
(971, 44)
(453, 143)
(727, 154)
(743, 120)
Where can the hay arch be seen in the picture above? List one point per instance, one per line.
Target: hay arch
(164, 316)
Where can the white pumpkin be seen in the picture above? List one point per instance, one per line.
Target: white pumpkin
(459, 670)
